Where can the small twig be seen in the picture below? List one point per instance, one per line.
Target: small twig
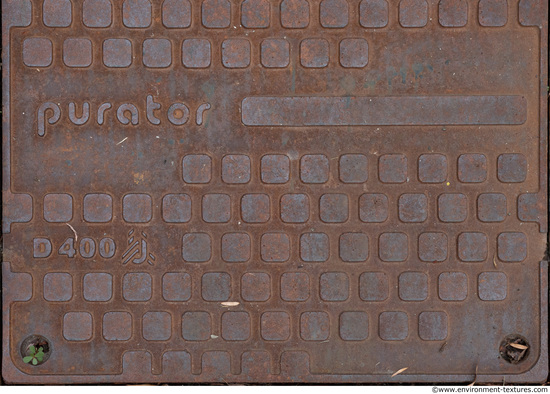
(475, 378)
(120, 142)
(74, 231)
(230, 303)
(400, 371)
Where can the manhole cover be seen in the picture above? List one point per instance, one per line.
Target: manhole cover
(274, 191)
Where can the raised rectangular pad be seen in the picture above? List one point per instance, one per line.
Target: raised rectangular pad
(388, 111)
(274, 191)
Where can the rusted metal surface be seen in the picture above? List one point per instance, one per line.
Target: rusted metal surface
(274, 191)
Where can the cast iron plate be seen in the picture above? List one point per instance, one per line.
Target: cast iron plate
(295, 191)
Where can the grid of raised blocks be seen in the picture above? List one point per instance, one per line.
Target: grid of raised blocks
(196, 53)
(355, 247)
(315, 169)
(291, 208)
(278, 326)
(273, 325)
(254, 14)
(429, 168)
(261, 14)
(318, 247)
(372, 286)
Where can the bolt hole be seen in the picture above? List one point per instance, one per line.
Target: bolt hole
(38, 341)
(514, 349)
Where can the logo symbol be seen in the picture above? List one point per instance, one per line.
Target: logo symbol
(137, 249)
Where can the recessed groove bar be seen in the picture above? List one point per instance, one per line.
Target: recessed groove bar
(372, 111)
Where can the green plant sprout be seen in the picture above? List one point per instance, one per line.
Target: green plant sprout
(34, 356)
